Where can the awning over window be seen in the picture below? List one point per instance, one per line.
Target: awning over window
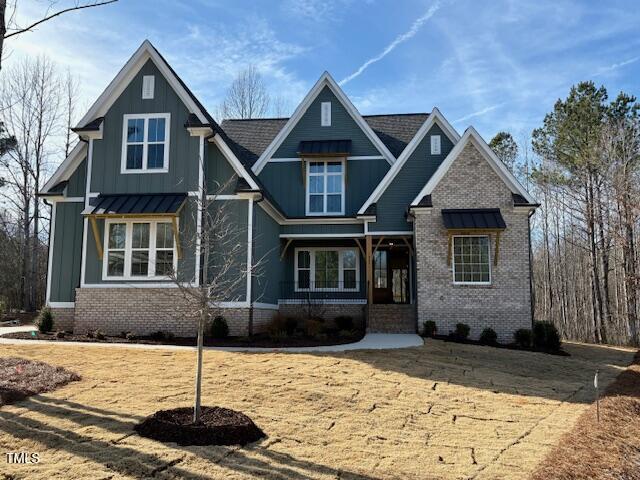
(473, 219)
(324, 148)
(136, 205)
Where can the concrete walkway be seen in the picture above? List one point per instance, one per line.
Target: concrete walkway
(21, 328)
(371, 341)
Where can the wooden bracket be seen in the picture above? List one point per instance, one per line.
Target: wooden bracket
(378, 244)
(176, 236)
(96, 235)
(360, 247)
(284, 250)
(409, 246)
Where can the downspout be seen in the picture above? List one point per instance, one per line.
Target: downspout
(531, 291)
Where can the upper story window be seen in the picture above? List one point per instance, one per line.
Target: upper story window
(325, 188)
(325, 114)
(139, 250)
(471, 260)
(435, 145)
(145, 143)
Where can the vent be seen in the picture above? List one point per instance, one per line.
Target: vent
(435, 145)
(148, 84)
(325, 114)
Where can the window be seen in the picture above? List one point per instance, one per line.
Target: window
(145, 143)
(471, 260)
(435, 145)
(380, 269)
(327, 269)
(325, 188)
(148, 84)
(139, 250)
(325, 114)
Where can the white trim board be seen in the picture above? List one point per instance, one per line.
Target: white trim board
(471, 135)
(52, 238)
(325, 80)
(297, 159)
(435, 117)
(326, 301)
(61, 304)
(322, 235)
(233, 160)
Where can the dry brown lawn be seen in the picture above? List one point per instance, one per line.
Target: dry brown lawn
(439, 411)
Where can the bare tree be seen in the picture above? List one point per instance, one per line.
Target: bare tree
(247, 97)
(9, 28)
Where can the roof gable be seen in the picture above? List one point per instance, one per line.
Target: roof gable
(471, 135)
(67, 167)
(434, 118)
(325, 81)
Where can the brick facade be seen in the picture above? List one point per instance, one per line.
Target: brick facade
(327, 311)
(391, 318)
(63, 319)
(505, 304)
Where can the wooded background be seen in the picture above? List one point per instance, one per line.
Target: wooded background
(582, 165)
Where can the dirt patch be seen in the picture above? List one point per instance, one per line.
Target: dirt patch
(20, 378)
(606, 449)
(508, 346)
(259, 341)
(217, 426)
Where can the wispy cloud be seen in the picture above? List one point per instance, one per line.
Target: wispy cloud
(479, 113)
(415, 28)
(615, 66)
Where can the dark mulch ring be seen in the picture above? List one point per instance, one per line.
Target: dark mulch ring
(260, 340)
(20, 378)
(217, 426)
(508, 346)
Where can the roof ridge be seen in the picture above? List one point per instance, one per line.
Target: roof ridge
(395, 114)
(253, 119)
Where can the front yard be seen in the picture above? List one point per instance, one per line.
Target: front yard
(443, 410)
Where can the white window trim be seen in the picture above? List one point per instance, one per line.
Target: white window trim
(435, 143)
(325, 193)
(312, 270)
(128, 249)
(453, 260)
(145, 147)
(325, 107)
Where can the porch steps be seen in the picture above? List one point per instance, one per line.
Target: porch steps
(391, 318)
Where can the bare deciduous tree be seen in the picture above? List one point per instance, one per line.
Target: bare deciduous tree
(247, 97)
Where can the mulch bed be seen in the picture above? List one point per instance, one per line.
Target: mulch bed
(20, 378)
(217, 426)
(508, 346)
(609, 449)
(258, 340)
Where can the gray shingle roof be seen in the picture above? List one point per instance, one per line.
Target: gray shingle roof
(249, 138)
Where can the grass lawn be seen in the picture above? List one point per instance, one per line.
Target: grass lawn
(443, 410)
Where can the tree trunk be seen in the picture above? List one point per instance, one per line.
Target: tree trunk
(3, 26)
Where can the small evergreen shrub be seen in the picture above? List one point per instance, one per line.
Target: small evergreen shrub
(45, 321)
(462, 331)
(344, 322)
(489, 336)
(313, 326)
(59, 334)
(522, 337)
(129, 336)
(99, 335)
(546, 336)
(429, 328)
(290, 325)
(219, 327)
(277, 327)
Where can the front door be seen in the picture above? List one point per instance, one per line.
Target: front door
(391, 275)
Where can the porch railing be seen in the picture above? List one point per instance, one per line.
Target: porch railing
(309, 291)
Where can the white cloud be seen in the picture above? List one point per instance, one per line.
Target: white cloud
(615, 66)
(478, 113)
(415, 28)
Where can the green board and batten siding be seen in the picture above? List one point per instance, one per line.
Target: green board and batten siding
(412, 177)
(266, 258)
(78, 181)
(183, 149)
(67, 251)
(220, 175)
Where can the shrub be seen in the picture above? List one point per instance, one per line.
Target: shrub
(462, 331)
(59, 334)
(489, 336)
(45, 321)
(219, 327)
(344, 322)
(346, 333)
(99, 334)
(522, 337)
(277, 327)
(129, 336)
(290, 325)
(429, 328)
(546, 336)
(313, 326)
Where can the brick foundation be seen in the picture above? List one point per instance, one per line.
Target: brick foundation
(505, 304)
(327, 311)
(63, 319)
(391, 318)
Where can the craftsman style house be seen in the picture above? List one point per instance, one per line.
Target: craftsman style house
(395, 219)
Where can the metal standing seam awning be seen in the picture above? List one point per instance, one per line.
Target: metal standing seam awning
(135, 206)
(469, 221)
(322, 148)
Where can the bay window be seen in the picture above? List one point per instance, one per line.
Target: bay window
(471, 260)
(145, 143)
(325, 188)
(139, 250)
(333, 269)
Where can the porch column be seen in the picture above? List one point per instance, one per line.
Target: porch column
(369, 268)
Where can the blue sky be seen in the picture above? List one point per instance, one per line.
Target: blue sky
(497, 65)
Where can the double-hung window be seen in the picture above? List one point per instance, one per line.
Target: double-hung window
(145, 143)
(471, 260)
(326, 269)
(325, 188)
(139, 250)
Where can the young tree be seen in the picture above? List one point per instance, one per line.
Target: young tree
(9, 28)
(506, 148)
(247, 97)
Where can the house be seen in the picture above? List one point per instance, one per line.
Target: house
(395, 219)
